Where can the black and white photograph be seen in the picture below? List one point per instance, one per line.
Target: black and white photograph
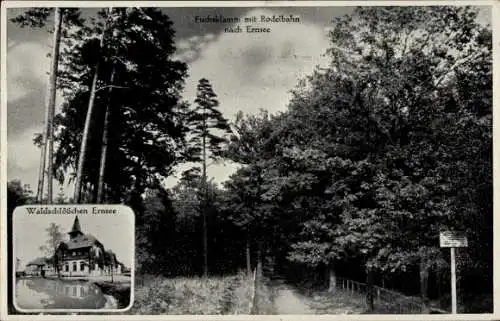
(67, 261)
(287, 159)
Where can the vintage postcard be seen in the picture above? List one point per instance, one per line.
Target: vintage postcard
(248, 160)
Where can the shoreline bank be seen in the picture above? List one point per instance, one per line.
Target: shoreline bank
(119, 291)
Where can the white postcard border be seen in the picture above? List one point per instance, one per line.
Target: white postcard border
(87, 4)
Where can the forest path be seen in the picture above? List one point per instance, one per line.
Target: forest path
(289, 301)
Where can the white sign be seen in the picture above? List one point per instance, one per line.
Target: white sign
(452, 239)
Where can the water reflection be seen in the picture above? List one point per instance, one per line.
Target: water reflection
(39, 293)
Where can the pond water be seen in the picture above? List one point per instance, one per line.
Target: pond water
(40, 293)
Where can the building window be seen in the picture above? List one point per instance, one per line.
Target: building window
(74, 266)
(82, 266)
(66, 267)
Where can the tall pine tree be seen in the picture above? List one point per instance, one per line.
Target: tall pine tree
(144, 132)
(208, 126)
(64, 18)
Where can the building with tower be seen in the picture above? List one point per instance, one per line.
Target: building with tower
(84, 255)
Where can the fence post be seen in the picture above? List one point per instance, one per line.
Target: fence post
(254, 299)
(332, 279)
(424, 284)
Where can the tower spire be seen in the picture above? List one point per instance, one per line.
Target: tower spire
(75, 230)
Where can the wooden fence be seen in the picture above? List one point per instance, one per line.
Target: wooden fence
(385, 301)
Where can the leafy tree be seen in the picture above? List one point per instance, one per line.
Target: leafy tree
(61, 197)
(156, 233)
(110, 261)
(251, 146)
(96, 256)
(17, 195)
(383, 149)
(385, 124)
(187, 250)
(54, 239)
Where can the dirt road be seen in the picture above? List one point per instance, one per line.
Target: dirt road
(288, 300)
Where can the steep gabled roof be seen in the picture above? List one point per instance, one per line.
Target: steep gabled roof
(82, 241)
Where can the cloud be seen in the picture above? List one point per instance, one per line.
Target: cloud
(188, 50)
(27, 65)
(183, 45)
(23, 161)
(253, 71)
(21, 152)
(27, 70)
(250, 71)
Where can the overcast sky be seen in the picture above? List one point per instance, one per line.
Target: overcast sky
(248, 71)
(114, 231)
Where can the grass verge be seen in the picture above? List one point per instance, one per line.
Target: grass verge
(337, 302)
(194, 295)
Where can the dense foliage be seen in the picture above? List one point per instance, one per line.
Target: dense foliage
(141, 92)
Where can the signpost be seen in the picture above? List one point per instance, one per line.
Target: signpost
(453, 240)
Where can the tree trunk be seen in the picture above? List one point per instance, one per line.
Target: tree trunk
(259, 260)
(86, 131)
(41, 171)
(50, 110)
(104, 151)
(204, 207)
(52, 104)
(248, 258)
(424, 283)
(85, 138)
(332, 279)
(93, 192)
(258, 280)
(104, 143)
(369, 292)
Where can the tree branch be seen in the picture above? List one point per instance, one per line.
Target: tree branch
(112, 86)
(426, 41)
(455, 66)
